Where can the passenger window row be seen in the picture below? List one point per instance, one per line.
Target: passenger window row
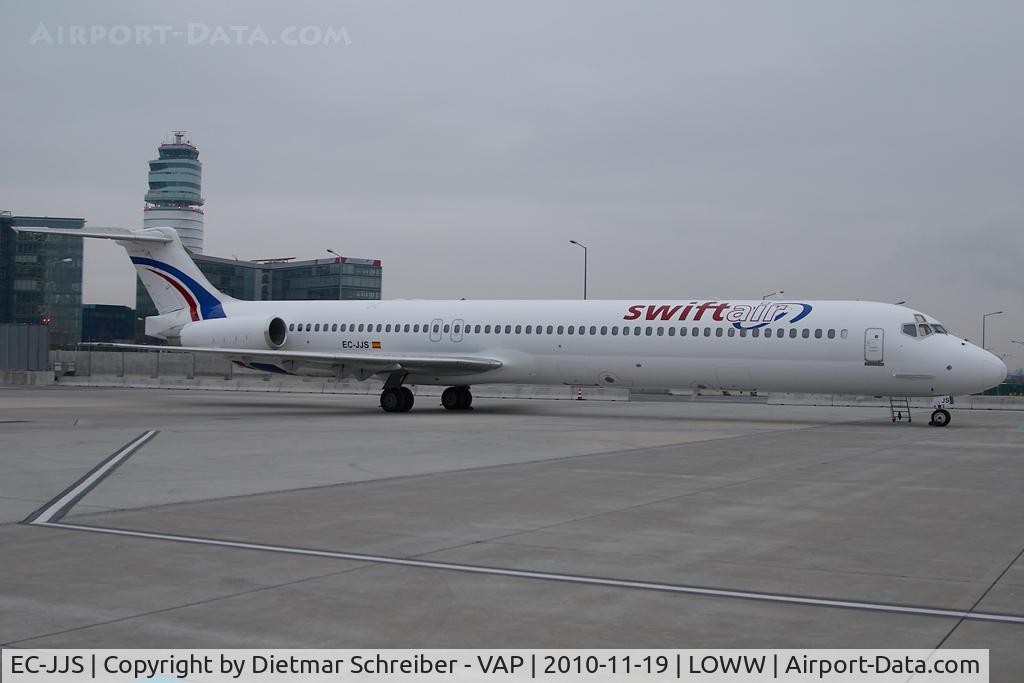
(578, 330)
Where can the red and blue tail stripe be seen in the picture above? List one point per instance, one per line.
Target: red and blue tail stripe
(202, 304)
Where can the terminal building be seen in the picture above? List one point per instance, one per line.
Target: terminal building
(175, 199)
(41, 276)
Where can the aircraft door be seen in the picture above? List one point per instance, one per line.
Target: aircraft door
(457, 326)
(435, 329)
(874, 346)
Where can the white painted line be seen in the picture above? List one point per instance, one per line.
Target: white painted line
(565, 578)
(63, 503)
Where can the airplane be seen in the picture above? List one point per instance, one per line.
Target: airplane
(847, 347)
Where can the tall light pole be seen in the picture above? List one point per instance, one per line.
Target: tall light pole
(781, 291)
(331, 251)
(584, 266)
(984, 319)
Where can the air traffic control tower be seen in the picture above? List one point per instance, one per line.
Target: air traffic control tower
(175, 184)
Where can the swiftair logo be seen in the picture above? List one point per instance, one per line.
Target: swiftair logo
(742, 316)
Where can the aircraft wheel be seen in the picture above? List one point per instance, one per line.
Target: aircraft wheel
(940, 418)
(407, 399)
(392, 400)
(457, 398)
(451, 398)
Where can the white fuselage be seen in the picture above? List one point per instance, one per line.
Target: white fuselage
(815, 346)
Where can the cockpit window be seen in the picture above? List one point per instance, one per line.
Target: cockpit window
(924, 330)
(910, 329)
(939, 328)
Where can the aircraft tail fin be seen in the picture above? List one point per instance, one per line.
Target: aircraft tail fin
(174, 282)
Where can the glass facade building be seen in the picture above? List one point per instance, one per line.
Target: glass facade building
(107, 323)
(41, 276)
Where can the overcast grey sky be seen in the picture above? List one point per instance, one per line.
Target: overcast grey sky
(870, 150)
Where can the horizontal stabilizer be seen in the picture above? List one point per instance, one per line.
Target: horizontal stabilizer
(121, 234)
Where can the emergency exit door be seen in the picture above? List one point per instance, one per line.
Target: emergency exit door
(874, 346)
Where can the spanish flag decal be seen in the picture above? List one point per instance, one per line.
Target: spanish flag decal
(375, 345)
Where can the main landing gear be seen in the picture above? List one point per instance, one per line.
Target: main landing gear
(940, 418)
(396, 400)
(457, 398)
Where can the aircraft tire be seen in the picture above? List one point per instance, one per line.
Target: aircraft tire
(392, 400)
(451, 398)
(408, 399)
(940, 418)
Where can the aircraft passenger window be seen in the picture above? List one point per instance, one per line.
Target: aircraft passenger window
(291, 327)
(572, 329)
(406, 328)
(539, 329)
(792, 333)
(316, 328)
(924, 330)
(508, 329)
(388, 328)
(695, 332)
(817, 333)
(707, 331)
(551, 329)
(671, 331)
(487, 329)
(560, 329)
(743, 333)
(625, 330)
(755, 333)
(615, 330)
(497, 329)
(682, 331)
(529, 329)
(437, 328)
(476, 329)
(718, 332)
(844, 333)
(806, 333)
(636, 331)
(732, 331)
(593, 329)
(649, 331)
(447, 328)
(604, 330)
(519, 329)
(334, 327)
(457, 329)
(831, 334)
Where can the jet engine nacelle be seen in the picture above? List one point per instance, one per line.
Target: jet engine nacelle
(251, 332)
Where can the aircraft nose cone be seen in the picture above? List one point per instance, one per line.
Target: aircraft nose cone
(994, 371)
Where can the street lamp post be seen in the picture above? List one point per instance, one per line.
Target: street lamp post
(984, 319)
(331, 251)
(584, 247)
(781, 291)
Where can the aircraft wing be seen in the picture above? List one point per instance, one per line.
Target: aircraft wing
(360, 364)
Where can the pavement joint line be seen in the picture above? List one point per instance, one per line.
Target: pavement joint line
(57, 507)
(479, 468)
(778, 598)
